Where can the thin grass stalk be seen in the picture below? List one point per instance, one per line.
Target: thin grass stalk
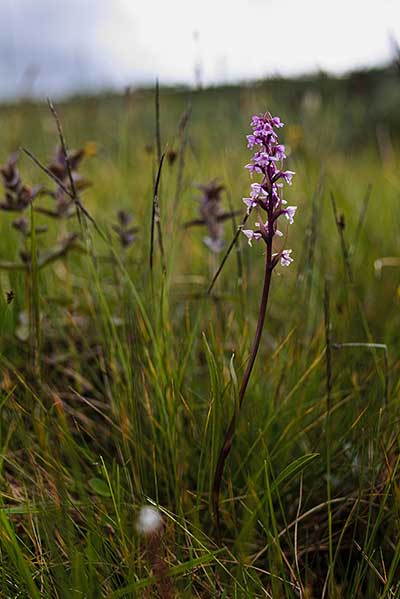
(375, 520)
(328, 362)
(361, 220)
(75, 196)
(228, 251)
(34, 301)
(158, 126)
(340, 225)
(354, 510)
(239, 255)
(307, 259)
(155, 216)
(155, 221)
(340, 228)
(238, 250)
(48, 172)
(296, 556)
(183, 138)
(273, 533)
(381, 346)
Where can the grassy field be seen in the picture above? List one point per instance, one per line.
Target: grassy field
(118, 382)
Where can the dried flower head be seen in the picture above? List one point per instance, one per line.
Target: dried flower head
(125, 232)
(22, 225)
(266, 196)
(171, 156)
(64, 204)
(58, 166)
(211, 214)
(17, 195)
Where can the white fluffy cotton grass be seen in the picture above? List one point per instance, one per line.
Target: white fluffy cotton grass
(149, 521)
(150, 526)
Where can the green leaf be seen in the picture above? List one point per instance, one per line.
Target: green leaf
(294, 468)
(100, 487)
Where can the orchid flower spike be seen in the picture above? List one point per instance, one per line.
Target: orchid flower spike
(266, 195)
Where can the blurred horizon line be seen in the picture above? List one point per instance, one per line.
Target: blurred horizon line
(27, 91)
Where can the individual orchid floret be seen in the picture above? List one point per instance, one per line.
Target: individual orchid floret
(253, 168)
(279, 153)
(285, 257)
(252, 235)
(276, 121)
(258, 190)
(251, 141)
(290, 211)
(286, 175)
(250, 203)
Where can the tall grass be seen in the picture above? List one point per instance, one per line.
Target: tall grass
(134, 376)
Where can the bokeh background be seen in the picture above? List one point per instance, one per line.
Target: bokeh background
(61, 47)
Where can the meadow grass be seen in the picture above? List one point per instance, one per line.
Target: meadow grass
(118, 389)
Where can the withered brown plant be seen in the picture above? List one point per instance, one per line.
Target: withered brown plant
(212, 214)
(18, 196)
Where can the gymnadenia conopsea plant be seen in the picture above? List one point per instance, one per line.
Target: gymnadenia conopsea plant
(266, 200)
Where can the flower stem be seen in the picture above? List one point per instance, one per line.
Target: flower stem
(230, 433)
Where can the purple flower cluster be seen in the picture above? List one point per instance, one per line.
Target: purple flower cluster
(266, 197)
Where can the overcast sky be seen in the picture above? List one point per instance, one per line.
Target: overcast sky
(53, 47)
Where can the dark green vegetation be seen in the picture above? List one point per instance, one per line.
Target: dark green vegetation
(117, 385)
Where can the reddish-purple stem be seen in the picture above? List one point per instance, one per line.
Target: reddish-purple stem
(230, 433)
